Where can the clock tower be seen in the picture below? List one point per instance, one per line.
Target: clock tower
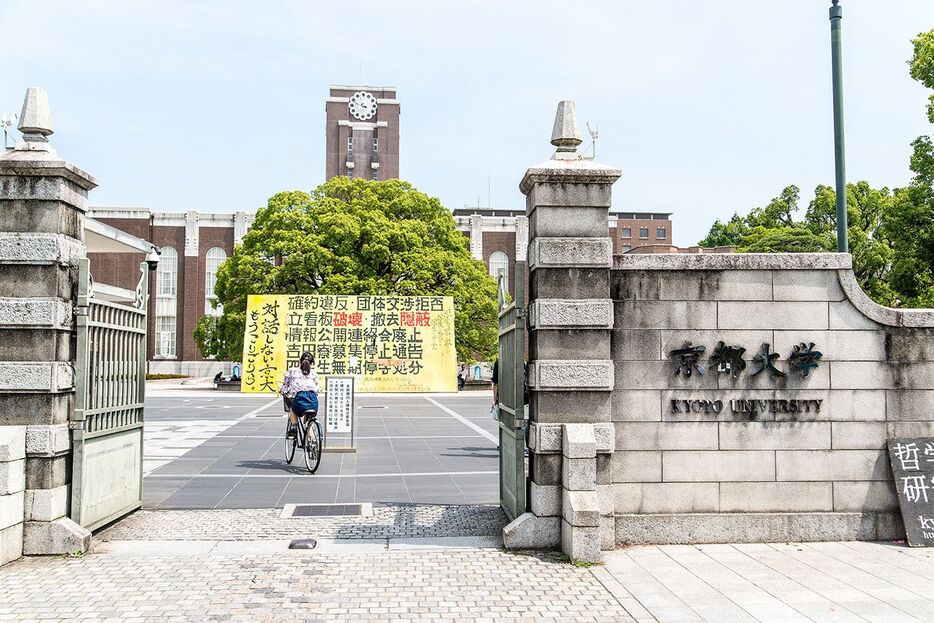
(362, 132)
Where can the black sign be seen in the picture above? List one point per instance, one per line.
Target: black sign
(913, 470)
(729, 360)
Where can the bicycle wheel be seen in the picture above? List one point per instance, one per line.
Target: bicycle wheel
(290, 442)
(312, 445)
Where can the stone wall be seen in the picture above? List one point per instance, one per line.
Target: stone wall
(12, 487)
(43, 200)
(642, 426)
(712, 458)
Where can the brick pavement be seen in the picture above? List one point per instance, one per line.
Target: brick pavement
(233, 565)
(473, 585)
(387, 522)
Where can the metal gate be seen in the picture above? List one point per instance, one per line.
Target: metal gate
(512, 479)
(107, 422)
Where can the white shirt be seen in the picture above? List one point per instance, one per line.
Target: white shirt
(296, 381)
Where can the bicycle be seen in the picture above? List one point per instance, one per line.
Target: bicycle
(308, 437)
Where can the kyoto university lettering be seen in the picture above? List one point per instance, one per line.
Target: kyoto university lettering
(729, 360)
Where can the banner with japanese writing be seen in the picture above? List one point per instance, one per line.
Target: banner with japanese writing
(388, 343)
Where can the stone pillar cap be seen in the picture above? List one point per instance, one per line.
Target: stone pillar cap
(566, 136)
(569, 172)
(35, 121)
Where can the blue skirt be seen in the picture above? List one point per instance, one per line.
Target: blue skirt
(305, 401)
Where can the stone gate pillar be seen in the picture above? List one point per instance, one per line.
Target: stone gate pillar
(570, 371)
(42, 204)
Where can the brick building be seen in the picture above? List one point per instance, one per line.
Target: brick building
(496, 234)
(193, 245)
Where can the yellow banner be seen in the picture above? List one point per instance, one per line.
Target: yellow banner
(388, 343)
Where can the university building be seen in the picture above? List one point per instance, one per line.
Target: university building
(362, 140)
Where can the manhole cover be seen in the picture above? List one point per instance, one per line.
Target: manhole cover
(326, 510)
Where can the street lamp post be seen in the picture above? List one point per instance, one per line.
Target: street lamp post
(836, 53)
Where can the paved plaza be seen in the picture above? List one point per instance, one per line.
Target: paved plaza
(183, 573)
(208, 449)
(211, 543)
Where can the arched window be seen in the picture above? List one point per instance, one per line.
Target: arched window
(166, 304)
(499, 264)
(212, 261)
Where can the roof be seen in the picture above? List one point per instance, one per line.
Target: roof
(360, 87)
(102, 238)
(468, 211)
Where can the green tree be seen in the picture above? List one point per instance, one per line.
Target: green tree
(794, 239)
(773, 229)
(922, 65)
(910, 224)
(729, 234)
(779, 212)
(352, 236)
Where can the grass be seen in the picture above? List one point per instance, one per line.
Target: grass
(555, 555)
(580, 564)
(162, 377)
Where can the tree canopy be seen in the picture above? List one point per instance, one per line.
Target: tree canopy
(891, 233)
(353, 236)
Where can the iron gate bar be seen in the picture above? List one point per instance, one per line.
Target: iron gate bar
(511, 403)
(110, 385)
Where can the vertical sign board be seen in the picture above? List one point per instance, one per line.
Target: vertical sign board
(913, 469)
(339, 404)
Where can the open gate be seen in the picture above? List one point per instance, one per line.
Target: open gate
(107, 422)
(512, 479)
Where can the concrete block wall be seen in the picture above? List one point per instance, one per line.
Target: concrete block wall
(812, 465)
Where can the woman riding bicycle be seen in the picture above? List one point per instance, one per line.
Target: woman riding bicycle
(301, 387)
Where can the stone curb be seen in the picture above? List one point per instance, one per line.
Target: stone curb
(734, 261)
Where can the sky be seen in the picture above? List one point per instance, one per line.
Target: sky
(708, 108)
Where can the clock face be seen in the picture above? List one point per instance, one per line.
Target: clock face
(362, 105)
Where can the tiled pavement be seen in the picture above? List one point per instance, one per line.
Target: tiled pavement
(233, 565)
(175, 424)
(852, 581)
(410, 449)
(451, 585)
(244, 582)
(387, 521)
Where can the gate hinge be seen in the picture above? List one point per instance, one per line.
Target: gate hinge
(82, 310)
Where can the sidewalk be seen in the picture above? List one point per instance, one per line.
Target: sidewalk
(446, 563)
(851, 581)
(407, 584)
